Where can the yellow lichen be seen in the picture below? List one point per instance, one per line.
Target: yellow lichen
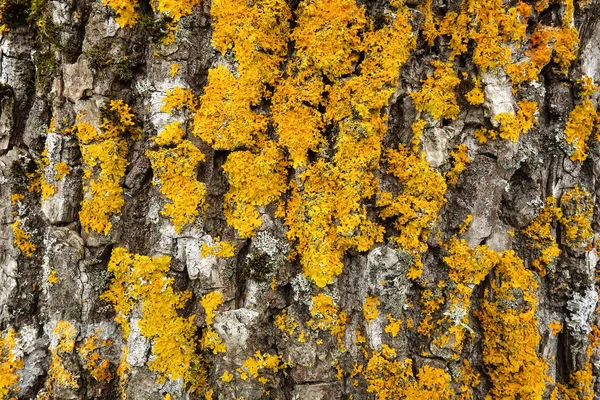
(513, 125)
(577, 211)
(63, 344)
(510, 333)
(218, 249)
(176, 9)
(461, 160)
(370, 311)
(475, 96)
(579, 128)
(393, 326)
(390, 378)
(52, 277)
(175, 173)
(143, 280)
(254, 180)
(125, 10)
(210, 302)
(539, 236)
(437, 95)
(10, 363)
(94, 362)
(327, 316)
(555, 327)
(62, 169)
(415, 210)
(225, 119)
(22, 238)
(256, 365)
(104, 156)
(174, 70)
(177, 99)
(285, 323)
(227, 376)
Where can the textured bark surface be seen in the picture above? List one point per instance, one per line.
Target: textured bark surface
(79, 59)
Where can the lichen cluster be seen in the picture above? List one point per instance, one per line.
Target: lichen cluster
(295, 113)
(143, 281)
(104, 154)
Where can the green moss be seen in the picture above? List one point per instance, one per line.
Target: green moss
(152, 29)
(45, 67)
(98, 55)
(123, 68)
(257, 267)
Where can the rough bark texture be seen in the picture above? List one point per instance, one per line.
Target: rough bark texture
(78, 58)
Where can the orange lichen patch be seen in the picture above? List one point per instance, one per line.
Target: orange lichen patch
(468, 379)
(63, 343)
(326, 218)
(285, 323)
(431, 301)
(475, 96)
(577, 211)
(175, 172)
(494, 28)
(555, 327)
(172, 134)
(415, 210)
(417, 128)
(510, 331)
(580, 386)
(22, 238)
(257, 32)
(15, 198)
(512, 126)
(328, 35)
(176, 9)
(143, 280)
(47, 188)
(123, 371)
(297, 118)
(254, 180)
(370, 311)
(437, 95)
(10, 363)
(326, 212)
(390, 379)
(461, 160)
(90, 353)
(579, 128)
(587, 87)
(539, 235)
(125, 10)
(225, 119)
(362, 97)
(469, 266)
(393, 326)
(326, 316)
(127, 15)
